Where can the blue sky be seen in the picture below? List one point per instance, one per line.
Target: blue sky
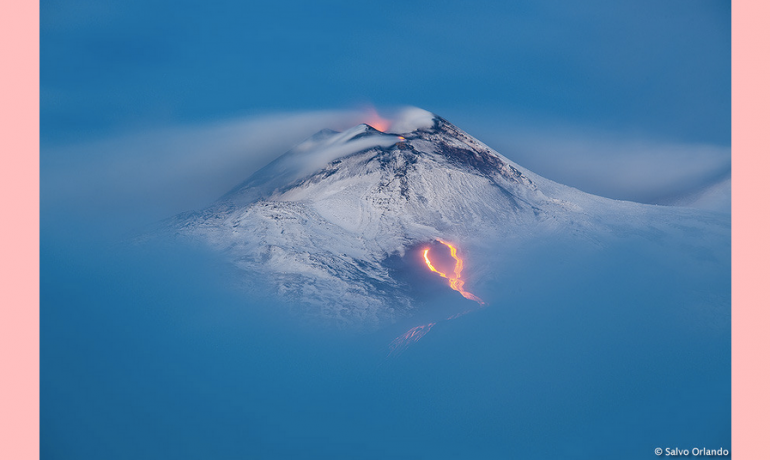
(656, 68)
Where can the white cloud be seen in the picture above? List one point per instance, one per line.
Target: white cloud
(411, 119)
(151, 175)
(628, 168)
(148, 176)
(716, 197)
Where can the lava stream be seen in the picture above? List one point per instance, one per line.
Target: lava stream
(414, 334)
(455, 282)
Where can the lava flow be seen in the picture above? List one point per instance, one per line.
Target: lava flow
(414, 334)
(455, 282)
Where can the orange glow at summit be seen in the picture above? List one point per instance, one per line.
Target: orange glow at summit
(374, 120)
(455, 279)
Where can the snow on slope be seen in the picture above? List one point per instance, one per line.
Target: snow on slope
(320, 221)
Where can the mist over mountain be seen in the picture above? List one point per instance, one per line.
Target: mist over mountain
(233, 266)
(334, 224)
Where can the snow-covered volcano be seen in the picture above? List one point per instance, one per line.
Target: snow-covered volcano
(320, 221)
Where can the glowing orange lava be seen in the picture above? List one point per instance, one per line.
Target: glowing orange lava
(374, 120)
(455, 282)
(402, 342)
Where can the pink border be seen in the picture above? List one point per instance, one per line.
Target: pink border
(751, 99)
(19, 268)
